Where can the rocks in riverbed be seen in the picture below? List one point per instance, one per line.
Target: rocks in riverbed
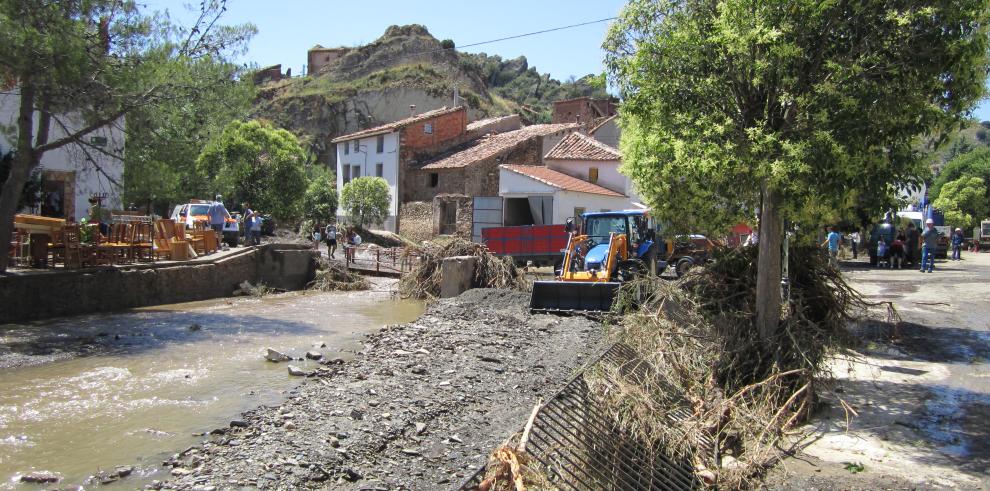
(297, 372)
(238, 423)
(276, 356)
(314, 355)
(40, 477)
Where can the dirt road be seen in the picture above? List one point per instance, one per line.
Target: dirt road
(920, 389)
(425, 403)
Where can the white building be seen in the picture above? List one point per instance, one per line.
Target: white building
(373, 155)
(539, 195)
(581, 156)
(73, 174)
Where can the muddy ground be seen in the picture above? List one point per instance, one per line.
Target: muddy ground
(420, 409)
(920, 389)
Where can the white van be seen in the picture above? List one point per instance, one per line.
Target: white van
(199, 211)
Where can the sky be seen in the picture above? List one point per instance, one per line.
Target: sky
(288, 28)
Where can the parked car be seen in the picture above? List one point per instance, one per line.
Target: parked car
(198, 211)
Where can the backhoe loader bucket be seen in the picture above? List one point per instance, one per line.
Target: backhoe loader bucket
(572, 297)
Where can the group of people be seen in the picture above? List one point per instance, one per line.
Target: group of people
(903, 248)
(329, 234)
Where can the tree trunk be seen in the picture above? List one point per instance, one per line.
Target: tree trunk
(768, 266)
(20, 169)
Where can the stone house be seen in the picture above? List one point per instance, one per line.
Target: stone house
(74, 174)
(471, 169)
(584, 110)
(319, 57)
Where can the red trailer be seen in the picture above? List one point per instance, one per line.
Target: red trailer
(541, 244)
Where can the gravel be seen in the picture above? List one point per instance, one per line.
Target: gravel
(421, 409)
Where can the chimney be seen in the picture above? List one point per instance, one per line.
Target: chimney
(412, 110)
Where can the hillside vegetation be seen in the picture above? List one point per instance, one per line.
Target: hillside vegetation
(375, 83)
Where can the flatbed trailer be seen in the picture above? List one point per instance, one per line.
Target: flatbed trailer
(540, 244)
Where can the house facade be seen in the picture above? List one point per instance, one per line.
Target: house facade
(584, 110)
(387, 151)
(73, 175)
(581, 156)
(539, 195)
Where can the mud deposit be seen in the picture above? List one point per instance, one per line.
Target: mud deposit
(422, 407)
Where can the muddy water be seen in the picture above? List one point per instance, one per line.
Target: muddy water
(132, 388)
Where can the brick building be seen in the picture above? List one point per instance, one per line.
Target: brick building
(584, 110)
(387, 151)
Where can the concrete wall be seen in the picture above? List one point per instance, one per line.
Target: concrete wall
(52, 294)
(608, 173)
(89, 171)
(564, 203)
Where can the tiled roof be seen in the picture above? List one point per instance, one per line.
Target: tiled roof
(395, 125)
(560, 180)
(482, 122)
(578, 146)
(488, 146)
(602, 123)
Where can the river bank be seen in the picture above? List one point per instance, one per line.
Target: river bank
(88, 393)
(421, 407)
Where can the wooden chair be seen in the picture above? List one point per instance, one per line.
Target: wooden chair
(164, 233)
(56, 248)
(117, 247)
(195, 238)
(71, 246)
(142, 242)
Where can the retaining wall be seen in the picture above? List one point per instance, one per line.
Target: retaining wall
(60, 293)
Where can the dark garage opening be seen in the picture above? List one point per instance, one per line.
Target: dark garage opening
(533, 210)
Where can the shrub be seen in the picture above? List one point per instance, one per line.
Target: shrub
(366, 200)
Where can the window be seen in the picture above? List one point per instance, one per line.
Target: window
(347, 148)
(346, 174)
(357, 146)
(434, 179)
(355, 171)
(379, 169)
(381, 144)
(593, 175)
(428, 128)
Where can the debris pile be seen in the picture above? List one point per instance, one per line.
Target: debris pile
(490, 272)
(333, 276)
(711, 388)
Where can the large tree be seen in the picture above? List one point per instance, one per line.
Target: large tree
(78, 66)
(964, 202)
(257, 163)
(972, 164)
(740, 107)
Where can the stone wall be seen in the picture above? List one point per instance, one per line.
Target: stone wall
(416, 221)
(59, 293)
(453, 214)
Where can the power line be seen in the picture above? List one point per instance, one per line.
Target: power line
(538, 32)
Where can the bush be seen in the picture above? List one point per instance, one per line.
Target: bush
(447, 44)
(320, 200)
(366, 201)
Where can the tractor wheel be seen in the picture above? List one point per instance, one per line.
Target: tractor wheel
(683, 265)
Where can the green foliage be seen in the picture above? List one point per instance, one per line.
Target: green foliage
(963, 202)
(973, 164)
(164, 141)
(447, 44)
(320, 200)
(366, 201)
(818, 103)
(257, 163)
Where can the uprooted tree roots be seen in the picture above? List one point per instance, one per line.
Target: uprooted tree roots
(713, 388)
(490, 272)
(332, 276)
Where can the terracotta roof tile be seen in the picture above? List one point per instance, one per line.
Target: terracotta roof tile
(396, 125)
(492, 145)
(560, 180)
(578, 146)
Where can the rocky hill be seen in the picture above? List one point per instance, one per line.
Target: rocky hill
(376, 83)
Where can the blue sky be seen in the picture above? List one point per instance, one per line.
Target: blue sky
(287, 28)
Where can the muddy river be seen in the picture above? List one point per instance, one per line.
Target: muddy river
(87, 393)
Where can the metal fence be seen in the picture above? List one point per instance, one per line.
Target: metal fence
(389, 261)
(581, 448)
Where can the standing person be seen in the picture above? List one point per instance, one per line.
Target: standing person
(217, 214)
(929, 244)
(317, 236)
(254, 228)
(911, 245)
(957, 243)
(833, 240)
(330, 235)
(854, 240)
(882, 253)
(246, 213)
(897, 251)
